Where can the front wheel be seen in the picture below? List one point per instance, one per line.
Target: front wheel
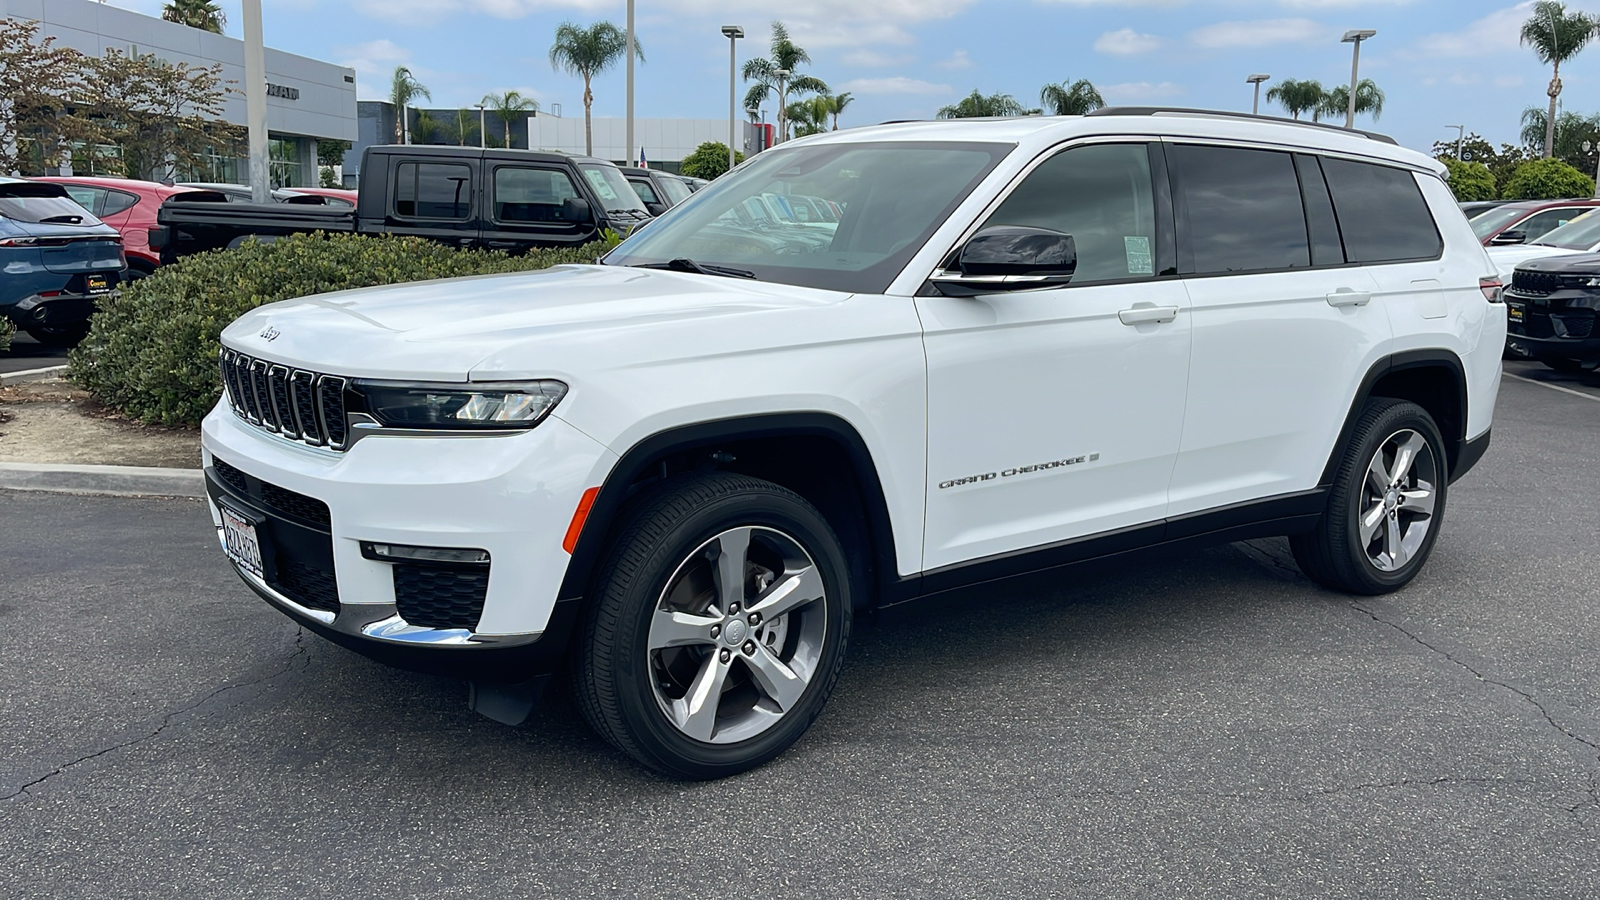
(1386, 505)
(718, 629)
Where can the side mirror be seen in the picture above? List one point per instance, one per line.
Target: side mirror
(1010, 258)
(655, 208)
(576, 211)
(1510, 237)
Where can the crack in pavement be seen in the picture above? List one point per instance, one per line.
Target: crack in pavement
(301, 652)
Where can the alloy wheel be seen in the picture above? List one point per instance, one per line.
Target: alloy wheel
(1400, 495)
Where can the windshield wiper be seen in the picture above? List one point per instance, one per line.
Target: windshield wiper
(61, 220)
(685, 264)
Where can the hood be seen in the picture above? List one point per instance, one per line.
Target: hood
(1507, 259)
(440, 330)
(1570, 264)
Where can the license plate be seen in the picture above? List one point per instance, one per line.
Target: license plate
(97, 284)
(239, 540)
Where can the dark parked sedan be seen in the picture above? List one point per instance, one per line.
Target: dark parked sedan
(56, 261)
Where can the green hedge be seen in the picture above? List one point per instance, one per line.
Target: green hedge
(1547, 179)
(6, 331)
(152, 350)
(1469, 180)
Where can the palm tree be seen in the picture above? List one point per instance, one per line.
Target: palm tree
(1077, 99)
(976, 105)
(836, 105)
(1298, 97)
(1556, 36)
(809, 116)
(508, 107)
(1572, 130)
(426, 128)
(1369, 98)
(786, 57)
(588, 52)
(463, 128)
(403, 89)
(201, 14)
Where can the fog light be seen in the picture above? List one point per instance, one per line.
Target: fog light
(408, 553)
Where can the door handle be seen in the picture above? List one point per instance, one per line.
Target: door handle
(1347, 297)
(1141, 315)
(502, 245)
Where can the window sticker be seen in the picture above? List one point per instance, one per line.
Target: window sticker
(597, 180)
(1138, 251)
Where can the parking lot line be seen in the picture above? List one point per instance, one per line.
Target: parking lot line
(1553, 387)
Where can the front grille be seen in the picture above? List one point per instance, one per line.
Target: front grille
(1535, 283)
(235, 479)
(277, 499)
(1576, 325)
(309, 586)
(433, 597)
(302, 406)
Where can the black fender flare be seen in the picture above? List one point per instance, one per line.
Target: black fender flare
(1455, 442)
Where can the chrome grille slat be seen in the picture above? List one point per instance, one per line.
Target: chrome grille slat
(303, 406)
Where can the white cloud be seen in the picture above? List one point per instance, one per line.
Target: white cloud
(956, 60)
(1119, 2)
(1339, 4)
(1497, 32)
(411, 12)
(898, 84)
(1508, 81)
(1136, 91)
(815, 24)
(1259, 33)
(374, 62)
(1126, 42)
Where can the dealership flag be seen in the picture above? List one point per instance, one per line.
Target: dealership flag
(643, 163)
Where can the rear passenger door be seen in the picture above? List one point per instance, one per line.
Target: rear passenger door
(1283, 326)
(434, 199)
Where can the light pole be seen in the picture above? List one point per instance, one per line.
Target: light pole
(734, 32)
(1586, 148)
(1461, 134)
(783, 90)
(1255, 105)
(629, 157)
(255, 102)
(1354, 37)
(482, 135)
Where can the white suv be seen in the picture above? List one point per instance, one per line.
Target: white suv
(1018, 344)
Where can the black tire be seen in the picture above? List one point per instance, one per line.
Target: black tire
(625, 683)
(1334, 553)
(59, 335)
(1569, 366)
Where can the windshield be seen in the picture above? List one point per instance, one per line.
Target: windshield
(1491, 221)
(1581, 233)
(36, 203)
(613, 190)
(843, 217)
(676, 191)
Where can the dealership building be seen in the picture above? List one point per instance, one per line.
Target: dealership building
(307, 100)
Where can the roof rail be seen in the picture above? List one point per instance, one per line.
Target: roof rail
(1226, 114)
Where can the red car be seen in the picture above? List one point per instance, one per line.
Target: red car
(128, 206)
(331, 196)
(1525, 221)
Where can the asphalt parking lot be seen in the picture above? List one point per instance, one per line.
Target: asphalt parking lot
(26, 354)
(1206, 725)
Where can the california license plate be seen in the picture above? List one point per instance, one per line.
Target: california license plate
(97, 284)
(239, 541)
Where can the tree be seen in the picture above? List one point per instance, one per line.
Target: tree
(809, 116)
(785, 56)
(462, 128)
(708, 161)
(1571, 132)
(977, 105)
(404, 88)
(1298, 97)
(1369, 99)
(1556, 36)
(836, 105)
(201, 14)
(330, 152)
(1502, 163)
(1076, 99)
(426, 128)
(587, 52)
(163, 117)
(1469, 180)
(509, 107)
(1547, 179)
(36, 78)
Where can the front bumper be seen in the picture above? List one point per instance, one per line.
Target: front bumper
(1560, 325)
(513, 496)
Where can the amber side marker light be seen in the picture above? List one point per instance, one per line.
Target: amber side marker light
(578, 517)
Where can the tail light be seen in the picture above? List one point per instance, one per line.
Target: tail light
(18, 242)
(1491, 287)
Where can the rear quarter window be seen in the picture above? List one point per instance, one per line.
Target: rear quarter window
(1382, 214)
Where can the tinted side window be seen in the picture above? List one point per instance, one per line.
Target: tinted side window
(1244, 209)
(433, 190)
(531, 195)
(1381, 212)
(644, 190)
(1099, 194)
(118, 201)
(1540, 224)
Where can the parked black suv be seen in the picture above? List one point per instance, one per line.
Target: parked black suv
(1551, 307)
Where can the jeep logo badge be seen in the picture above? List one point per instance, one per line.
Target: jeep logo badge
(271, 334)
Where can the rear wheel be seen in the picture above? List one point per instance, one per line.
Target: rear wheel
(719, 627)
(1386, 505)
(59, 335)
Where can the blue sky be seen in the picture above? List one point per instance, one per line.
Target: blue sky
(1440, 62)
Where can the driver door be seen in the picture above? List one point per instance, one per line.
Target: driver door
(1056, 414)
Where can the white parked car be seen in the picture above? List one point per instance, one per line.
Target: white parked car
(1025, 343)
(1581, 235)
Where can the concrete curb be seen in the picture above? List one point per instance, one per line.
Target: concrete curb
(117, 481)
(32, 375)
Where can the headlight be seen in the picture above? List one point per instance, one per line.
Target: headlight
(517, 404)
